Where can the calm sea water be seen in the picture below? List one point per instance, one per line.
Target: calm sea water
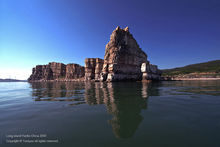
(77, 114)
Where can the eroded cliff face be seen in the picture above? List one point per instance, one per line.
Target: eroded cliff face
(74, 71)
(93, 68)
(123, 57)
(57, 72)
(41, 72)
(123, 60)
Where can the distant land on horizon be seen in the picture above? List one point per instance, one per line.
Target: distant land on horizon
(205, 67)
(12, 80)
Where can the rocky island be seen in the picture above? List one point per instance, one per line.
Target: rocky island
(124, 60)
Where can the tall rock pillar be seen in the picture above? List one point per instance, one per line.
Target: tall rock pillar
(123, 57)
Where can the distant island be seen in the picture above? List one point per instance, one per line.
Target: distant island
(207, 70)
(12, 80)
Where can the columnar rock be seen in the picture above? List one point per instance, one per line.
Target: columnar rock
(74, 71)
(98, 68)
(57, 71)
(150, 72)
(90, 68)
(123, 57)
(93, 68)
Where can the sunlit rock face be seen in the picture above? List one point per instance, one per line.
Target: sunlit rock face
(56, 71)
(150, 72)
(123, 57)
(124, 60)
(93, 68)
(98, 68)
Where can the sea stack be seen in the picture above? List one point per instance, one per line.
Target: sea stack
(123, 58)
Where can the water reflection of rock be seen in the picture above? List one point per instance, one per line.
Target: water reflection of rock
(58, 91)
(126, 107)
(93, 93)
(123, 100)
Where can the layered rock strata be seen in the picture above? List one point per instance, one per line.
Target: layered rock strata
(98, 68)
(93, 68)
(57, 72)
(74, 71)
(123, 60)
(123, 57)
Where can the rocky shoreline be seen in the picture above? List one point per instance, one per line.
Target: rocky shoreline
(187, 79)
(124, 60)
(192, 76)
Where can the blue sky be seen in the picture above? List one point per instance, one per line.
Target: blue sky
(172, 32)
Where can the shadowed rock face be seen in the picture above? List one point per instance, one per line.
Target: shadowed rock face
(123, 57)
(74, 71)
(41, 72)
(57, 71)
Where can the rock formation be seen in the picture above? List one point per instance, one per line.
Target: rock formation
(98, 68)
(123, 60)
(93, 68)
(41, 72)
(123, 57)
(150, 72)
(57, 71)
(74, 71)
